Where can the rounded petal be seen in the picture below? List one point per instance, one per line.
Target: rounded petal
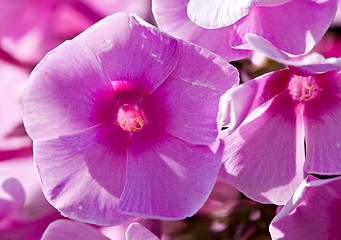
(157, 165)
(263, 160)
(136, 231)
(172, 18)
(310, 65)
(132, 50)
(186, 105)
(12, 195)
(67, 230)
(66, 93)
(217, 13)
(286, 26)
(313, 215)
(322, 121)
(83, 174)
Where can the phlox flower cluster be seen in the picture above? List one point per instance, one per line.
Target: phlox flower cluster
(157, 119)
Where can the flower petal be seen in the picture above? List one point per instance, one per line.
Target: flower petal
(187, 103)
(263, 160)
(245, 98)
(322, 121)
(314, 216)
(157, 165)
(286, 26)
(217, 13)
(136, 231)
(309, 65)
(132, 50)
(66, 229)
(172, 18)
(12, 195)
(66, 93)
(83, 174)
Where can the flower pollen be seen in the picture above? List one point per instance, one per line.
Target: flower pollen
(302, 88)
(130, 118)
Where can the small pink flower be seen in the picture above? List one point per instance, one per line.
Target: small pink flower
(122, 118)
(273, 118)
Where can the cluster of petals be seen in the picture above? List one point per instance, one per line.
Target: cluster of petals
(121, 117)
(274, 118)
(311, 213)
(221, 26)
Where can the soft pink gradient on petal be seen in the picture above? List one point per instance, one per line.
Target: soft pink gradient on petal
(137, 231)
(67, 93)
(83, 174)
(313, 214)
(131, 50)
(191, 95)
(67, 230)
(264, 157)
(322, 121)
(172, 17)
(157, 165)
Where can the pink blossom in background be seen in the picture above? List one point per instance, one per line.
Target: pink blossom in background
(272, 117)
(12, 83)
(123, 115)
(312, 213)
(19, 221)
(282, 22)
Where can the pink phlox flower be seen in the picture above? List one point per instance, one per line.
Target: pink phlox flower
(311, 213)
(274, 118)
(221, 26)
(123, 115)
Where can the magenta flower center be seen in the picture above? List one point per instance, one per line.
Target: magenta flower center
(130, 117)
(302, 88)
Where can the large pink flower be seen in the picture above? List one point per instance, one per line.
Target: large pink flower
(221, 26)
(312, 213)
(272, 117)
(121, 118)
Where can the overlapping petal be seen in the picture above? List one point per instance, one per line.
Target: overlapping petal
(242, 100)
(310, 65)
(191, 95)
(67, 93)
(158, 164)
(83, 174)
(130, 50)
(264, 157)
